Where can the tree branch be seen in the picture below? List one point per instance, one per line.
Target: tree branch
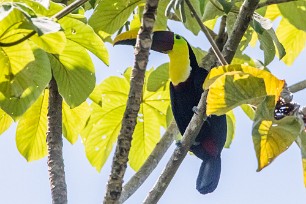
(270, 2)
(179, 153)
(55, 146)
(297, 87)
(147, 168)
(120, 159)
(198, 119)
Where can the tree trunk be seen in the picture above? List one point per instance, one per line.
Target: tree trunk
(55, 146)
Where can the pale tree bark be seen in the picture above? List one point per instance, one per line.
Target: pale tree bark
(198, 119)
(120, 159)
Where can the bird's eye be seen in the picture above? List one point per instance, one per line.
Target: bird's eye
(177, 37)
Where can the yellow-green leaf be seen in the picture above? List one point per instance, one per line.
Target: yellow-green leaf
(53, 42)
(248, 110)
(23, 77)
(301, 141)
(74, 120)
(234, 85)
(5, 121)
(272, 137)
(293, 40)
(32, 129)
(161, 19)
(110, 15)
(104, 123)
(74, 73)
(231, 125)
(85, 36)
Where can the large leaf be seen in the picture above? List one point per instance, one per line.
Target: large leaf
(5, 121)
(22, 79)
(234, 85)
(301, 141)
(74, 73)
(110, 15)
(53, 42)
(32, 129)
(85, 36)
(104, 123)
(161, 19)
(158, 78)
(272, 137)
(293, 39)
(293, 12)
(231, 125)
(74, 120)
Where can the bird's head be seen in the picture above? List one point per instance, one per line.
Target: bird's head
(169, 43)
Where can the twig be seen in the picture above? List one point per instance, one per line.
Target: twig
(298, 86)
(179, 153)
(207, 34)
(197, 119)
(120, 159)
(147, 168)
(270, 2)
(57, 16)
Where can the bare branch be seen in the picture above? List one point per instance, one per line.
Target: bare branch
(270, 2)
(55, 146)
(198, 119)
(147, 168)
(179, 153)
(298, 86)
(120, 159)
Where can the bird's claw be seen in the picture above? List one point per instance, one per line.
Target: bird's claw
(195, 110)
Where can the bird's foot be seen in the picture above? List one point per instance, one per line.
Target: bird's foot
(178, 143)
(195, 110)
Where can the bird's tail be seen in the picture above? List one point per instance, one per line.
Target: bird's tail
(209, 174)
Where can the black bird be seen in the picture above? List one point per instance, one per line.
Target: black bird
(185, 91)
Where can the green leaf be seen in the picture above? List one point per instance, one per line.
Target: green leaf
(199, 54)
(74, 120)
(272, 137)
(85, 36)
(23, 77)
(161, 19)
(158, 78)
(103, 126)
(110, 15)
(53, 43)
(266, 44)
(293, 12)
(230, 21)
(44, 25)
(301, 141)
(211, 12)
(248, 110)
(234, 85)
(231, 124)
(292, 39)
(31, 130)
(74, 73)
(227, 5)
(5, 121)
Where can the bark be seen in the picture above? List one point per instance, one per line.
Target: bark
(147, 168)
(55, 145)
(197, 120)
(143, 45)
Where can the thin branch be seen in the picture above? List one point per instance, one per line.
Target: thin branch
(207, 34)
(270, 2)
(120, 159)
(179, 153)
(57, 16)
(147, 168)
(198, 119)
(298, 86)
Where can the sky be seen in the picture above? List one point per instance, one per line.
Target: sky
(281, 182)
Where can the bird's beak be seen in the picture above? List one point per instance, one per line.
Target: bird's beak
(162, 40)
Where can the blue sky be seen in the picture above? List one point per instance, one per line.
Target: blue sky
(281, 182)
